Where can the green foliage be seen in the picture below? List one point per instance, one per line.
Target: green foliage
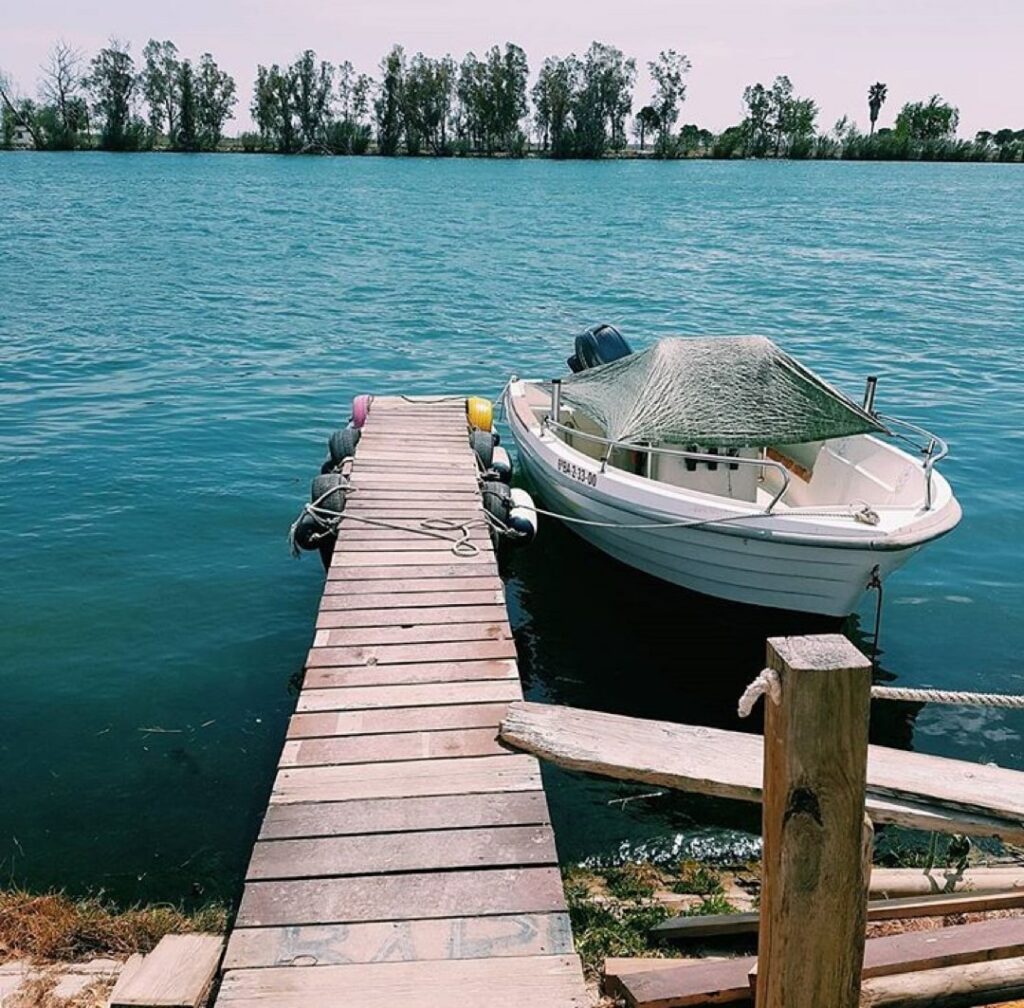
(215, 98)
(159, 81)
(113, 84)
(668, 72)
(778, 123)
(492, 101)
(646, 122)
(934, 119)
(186, 137)
(697, 879)
(877, 94)
(389, 103)
(632, 881)
(709, 906)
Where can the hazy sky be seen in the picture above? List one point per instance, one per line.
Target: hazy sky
(970, 51)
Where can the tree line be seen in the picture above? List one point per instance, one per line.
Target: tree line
(577, 107)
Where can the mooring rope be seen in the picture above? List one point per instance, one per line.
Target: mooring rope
(435, 528)
(767, 681)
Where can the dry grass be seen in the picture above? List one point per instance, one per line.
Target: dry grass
(55, 927)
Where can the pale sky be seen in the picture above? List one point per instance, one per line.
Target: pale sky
(969, 51)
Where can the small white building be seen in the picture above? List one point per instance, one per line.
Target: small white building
(21, 138)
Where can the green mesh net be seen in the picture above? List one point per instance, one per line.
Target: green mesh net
(727, 392)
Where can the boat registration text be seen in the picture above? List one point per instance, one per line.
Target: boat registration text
(577, 472)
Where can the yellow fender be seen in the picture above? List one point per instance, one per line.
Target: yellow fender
(480, 413)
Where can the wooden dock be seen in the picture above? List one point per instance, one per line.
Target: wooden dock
(406, 857)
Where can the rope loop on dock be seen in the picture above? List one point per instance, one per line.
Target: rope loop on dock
(765, 682)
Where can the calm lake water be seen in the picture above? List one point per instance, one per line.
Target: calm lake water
(179, 334)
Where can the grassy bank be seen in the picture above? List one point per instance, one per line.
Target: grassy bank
(54, 927)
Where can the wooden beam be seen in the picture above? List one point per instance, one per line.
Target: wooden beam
(815, 879)
(176, 974)
(727, 764)
(983, 983)
(721, 925)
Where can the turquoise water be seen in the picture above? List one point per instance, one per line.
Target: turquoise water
(178, 335)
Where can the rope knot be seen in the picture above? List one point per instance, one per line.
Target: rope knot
(766, 681)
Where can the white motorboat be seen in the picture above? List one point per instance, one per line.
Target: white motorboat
(725, 466)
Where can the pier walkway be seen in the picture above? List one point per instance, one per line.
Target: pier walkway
(406, 857)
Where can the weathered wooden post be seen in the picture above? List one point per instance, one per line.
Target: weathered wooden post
(816, 874)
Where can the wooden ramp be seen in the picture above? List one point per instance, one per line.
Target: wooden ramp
(407, 856)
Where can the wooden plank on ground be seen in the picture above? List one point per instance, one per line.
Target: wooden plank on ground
(537, 981)
(406, 558)
(176, 974)
(400, 815)
(401, 941)
(697, 982)
(411, 695)
(728, 764)
(465, 775)
(405, 719)
(418, 672)
(430, 850)
(939, 905)
(391, 748)
(412, 896)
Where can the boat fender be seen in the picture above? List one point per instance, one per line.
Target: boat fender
(342, 444)
(361, 410)
(308, 532)
(501, 465)
(327, 493)
(522, 518)
(483, 447)
(497, 499)
(480, 413)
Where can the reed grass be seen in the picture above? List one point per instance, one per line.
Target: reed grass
(54, 926)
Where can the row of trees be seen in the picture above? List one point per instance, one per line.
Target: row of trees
(578, 107)
(100, 103)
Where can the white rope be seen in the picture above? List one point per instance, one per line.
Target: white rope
(953, 697)
(766, 681)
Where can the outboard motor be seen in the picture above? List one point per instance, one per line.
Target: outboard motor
(600, 344)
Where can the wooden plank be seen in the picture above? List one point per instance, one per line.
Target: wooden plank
(393, 636)
(400, 815)
(408, 719)
(402, 572)
(383, 748)
(382, 853)
(911, 952)
(352, 698)
(399, 586)
(466, 775)
(376, 601)
(718, 925)
(721, 763)
(360, 537)
(176, 974)
(420, 672)
(399, 654)
(537, 981)
(696, 982)
(418, 616)
(922, 882)
(412, 896)
(404, 941)
(406, 558)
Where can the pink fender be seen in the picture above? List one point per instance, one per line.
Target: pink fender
(361, 409)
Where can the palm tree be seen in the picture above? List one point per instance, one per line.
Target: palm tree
(877, 94)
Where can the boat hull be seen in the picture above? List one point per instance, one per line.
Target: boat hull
(757, 560)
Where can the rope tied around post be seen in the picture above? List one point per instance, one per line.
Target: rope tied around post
(766, 681)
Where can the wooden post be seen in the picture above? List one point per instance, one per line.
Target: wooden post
(814, 894)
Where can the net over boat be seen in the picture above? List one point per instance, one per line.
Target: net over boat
(731, 391)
